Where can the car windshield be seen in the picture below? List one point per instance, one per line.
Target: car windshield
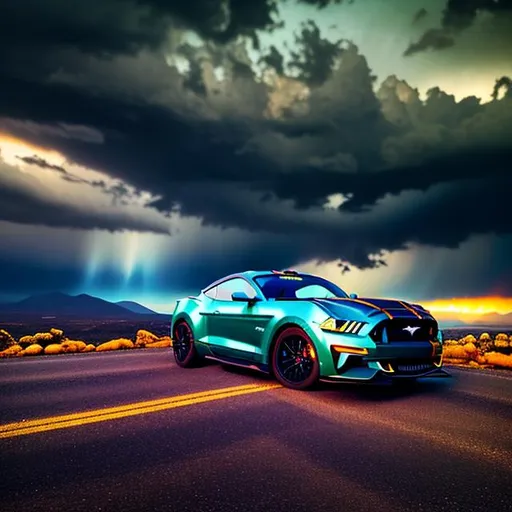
(291, 286)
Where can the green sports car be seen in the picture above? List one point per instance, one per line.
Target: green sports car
(302, 328)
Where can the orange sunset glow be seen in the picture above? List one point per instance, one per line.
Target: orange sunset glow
(471, 306)
(12, 147)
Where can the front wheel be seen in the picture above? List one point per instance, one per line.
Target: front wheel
(185, 353)
(294, 359)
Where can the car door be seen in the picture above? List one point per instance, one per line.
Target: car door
(235, 329)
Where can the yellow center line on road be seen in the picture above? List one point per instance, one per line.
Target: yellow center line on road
(21, 428)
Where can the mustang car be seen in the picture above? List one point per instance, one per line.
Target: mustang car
(302, 328)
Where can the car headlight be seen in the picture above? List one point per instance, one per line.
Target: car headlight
(345, 326)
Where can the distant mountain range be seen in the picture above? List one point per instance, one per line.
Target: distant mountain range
(489, 319)
(59, 304)
(135, 307)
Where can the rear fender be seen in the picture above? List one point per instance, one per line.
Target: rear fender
(189, 310)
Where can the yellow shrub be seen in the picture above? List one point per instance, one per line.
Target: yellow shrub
(484, 337)
(80, 345)
(165, 341)
(480, 359)
(26, 341)
(497, 359)
(89, 348)
(6, 340)
(144, 337)
(53, 349)
(501, 343)
(118, 344)
(450, 342)
(33, 350)
(44, 339)
(72, 346)
(501, 337)
(455, 360)
(43, 336)
(469, 338)
(11, 351)
(456, 352)
(470, 349)
(57, 334)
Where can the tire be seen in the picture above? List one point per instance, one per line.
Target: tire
(295, 360)
(185, 352)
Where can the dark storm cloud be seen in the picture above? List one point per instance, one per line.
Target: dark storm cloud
(503, 84)
(42, 163)
(274, 59)
(458, 16)
(209, 147)
(321, 4)
(433, 39)
(119, 191)
(26, 200)
(117, 26)
(419, 15)
(315, 56)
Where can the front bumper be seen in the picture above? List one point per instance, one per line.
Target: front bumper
(395, 360)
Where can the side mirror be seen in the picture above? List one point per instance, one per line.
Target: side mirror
(353, 295)
(243, 297)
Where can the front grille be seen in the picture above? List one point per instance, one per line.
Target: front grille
(409, 366)
(399, 329)
(412, 368)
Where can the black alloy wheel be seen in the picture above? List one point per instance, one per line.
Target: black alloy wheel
(184, 349)
(294, 359)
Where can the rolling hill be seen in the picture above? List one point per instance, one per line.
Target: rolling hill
(135, 307)
(59, 304)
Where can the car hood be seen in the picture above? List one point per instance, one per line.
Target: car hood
(369, 307)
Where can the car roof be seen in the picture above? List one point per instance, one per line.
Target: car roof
(250, 275)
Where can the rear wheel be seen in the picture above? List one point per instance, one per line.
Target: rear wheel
(184, 349)
(294, 359)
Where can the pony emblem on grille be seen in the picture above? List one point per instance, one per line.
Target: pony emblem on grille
(410, 330)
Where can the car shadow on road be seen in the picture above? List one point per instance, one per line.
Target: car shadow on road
(360, 391)
(387, 390)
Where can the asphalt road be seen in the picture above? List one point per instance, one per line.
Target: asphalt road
(440, 445)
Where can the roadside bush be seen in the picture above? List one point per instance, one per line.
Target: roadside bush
(89, 348)
(456, 352)
(501, 341)
(6, 340)
(469, 338)
(26, 341)
(79, 345)
(53, 349)
(57, 335)
(144, 338)
(11, 351)
(118, 344)
(484, 337)
(68, 347)
(164, 341)
(33, 350)
(497, 359)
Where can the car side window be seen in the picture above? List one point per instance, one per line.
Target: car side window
(211, 293)
(225, 289)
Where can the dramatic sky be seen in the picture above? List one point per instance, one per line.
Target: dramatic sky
(148, 147)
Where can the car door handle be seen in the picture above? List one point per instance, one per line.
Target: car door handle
(216, 312)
